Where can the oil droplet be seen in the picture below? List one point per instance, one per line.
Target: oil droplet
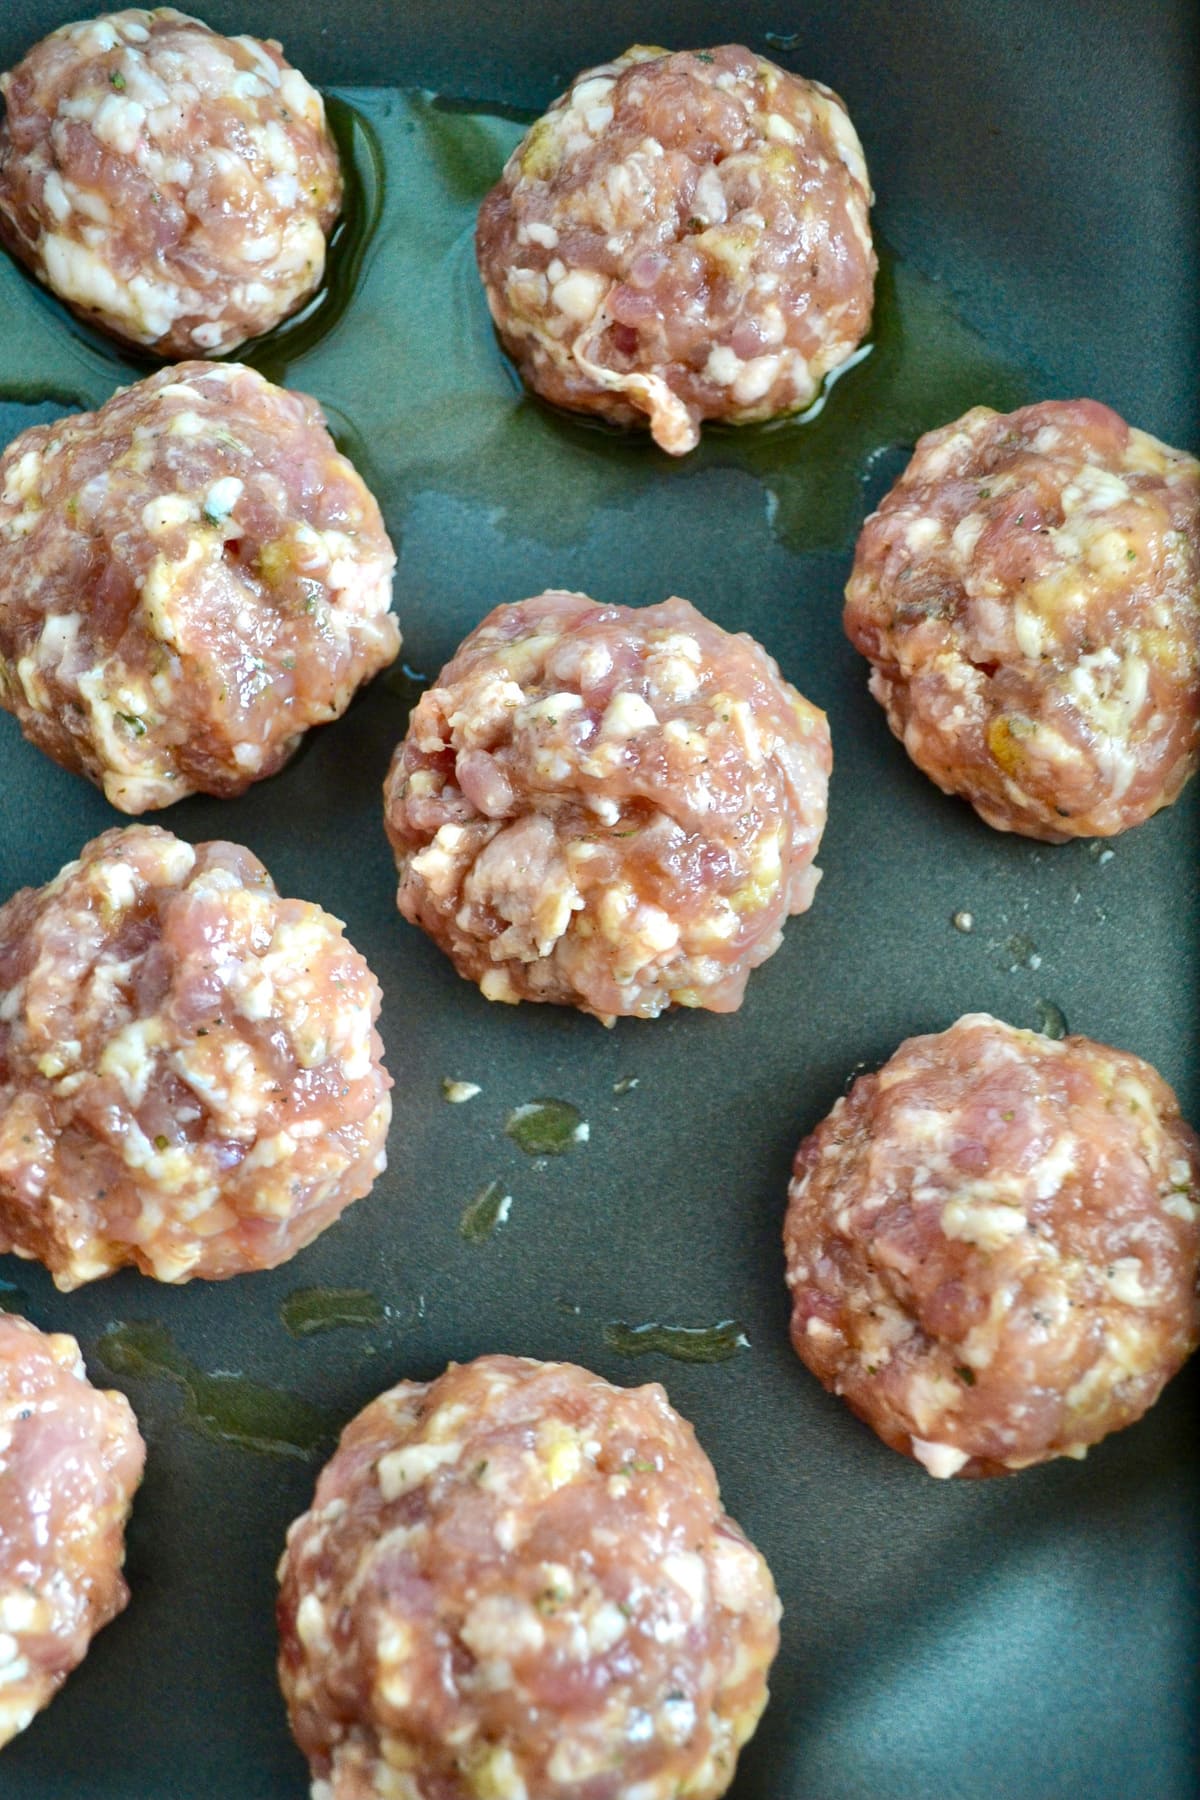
(1019, 952)
(625, 1084)
(546, 1127)
(568, 1306)
(405, 683)
(490, 1208)
(226, 1408)
(1100, 852)
(782, 40)
(1049, 1019)
(685, 1343)
(309, 1310)
(963, 921)
(12, 1298)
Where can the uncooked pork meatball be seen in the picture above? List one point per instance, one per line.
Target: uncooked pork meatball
(1029, 596)
(607, 806)
(173, 186)
(517, 1581)
(190, 1078)
(70, 1461)
(189, 579)
(992, 1246)
(682, 238)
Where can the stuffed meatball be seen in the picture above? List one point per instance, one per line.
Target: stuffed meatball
(173, 186)
(517, 1580)
(611, 807)
(70, 1462)
(681, 238)
(189, 579)
(190, 1076)
(1029, 597)
(992, 1246)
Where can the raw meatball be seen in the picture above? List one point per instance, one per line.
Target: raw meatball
(173, 186)
(1029, 596)
(608, 806)
(189, 579)
(992, 1246)
(517, 1581)
(190, 1078)
(682, 238)
(70, 1462)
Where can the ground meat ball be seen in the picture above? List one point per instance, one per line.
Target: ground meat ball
(189, 579)
(682, 238)
(1029, 595)
(173, 186)
(517, 1580)
(70, 1462)
(608, 806)
(992, 1246)
(190, 1079)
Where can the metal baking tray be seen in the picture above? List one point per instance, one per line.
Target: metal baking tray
(1035, 166)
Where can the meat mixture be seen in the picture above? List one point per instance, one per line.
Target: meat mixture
(173, 186)
(516, 1583)
(1029, 597)
(611, 807)
(190, 1075)
(992, 1246)
(680, 238)
(70, 1463)
(189, 579)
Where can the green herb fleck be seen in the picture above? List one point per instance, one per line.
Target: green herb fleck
(546, 1127)
(162, 1141)
(638, 1465)
(117, 80)
(965, 1375)
(136, 725)
(703, 56)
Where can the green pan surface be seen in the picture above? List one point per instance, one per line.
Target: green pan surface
(1035, 1637)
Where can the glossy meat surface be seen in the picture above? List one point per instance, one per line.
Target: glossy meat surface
(680, 238)
(70, 1462)
(189, 578)
(173, 186)
(517, 1581)
(611, 807)
(993, 1245)
(190, 1076)
(1029, 597)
